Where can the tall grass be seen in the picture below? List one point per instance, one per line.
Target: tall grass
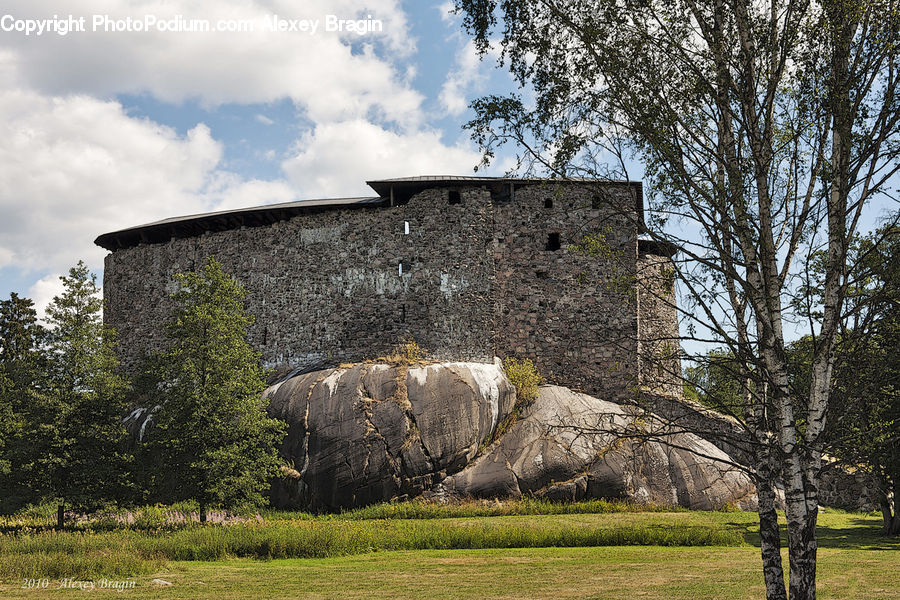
(134, 551)
(141, 541)
(421, 509)
(77, 555)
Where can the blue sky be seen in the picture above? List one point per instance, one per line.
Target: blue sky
(101, 130)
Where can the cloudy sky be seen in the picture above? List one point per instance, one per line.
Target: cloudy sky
(103, 129)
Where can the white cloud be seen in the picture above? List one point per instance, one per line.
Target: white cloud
(446, 11)
(43, 291)
(74, 164)
(330, 76)
(6, 257)
(229, 191)
(468, 74)
(336, 159)
(75, 167)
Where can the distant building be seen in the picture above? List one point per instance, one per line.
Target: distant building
(469, 267)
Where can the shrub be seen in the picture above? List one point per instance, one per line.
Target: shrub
(525, 377)
(407, 353)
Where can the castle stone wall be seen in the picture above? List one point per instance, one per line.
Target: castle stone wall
(478, 280)
(565, 309)
(659, 339)
(327, 286)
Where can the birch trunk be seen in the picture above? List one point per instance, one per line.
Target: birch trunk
(769, 534)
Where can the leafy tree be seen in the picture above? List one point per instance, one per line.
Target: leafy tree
(212, 440)
(80, 419)
(715, 381)
(765, 128)
(863, 428)
(865, 414)
(21, 340)
(22, 365)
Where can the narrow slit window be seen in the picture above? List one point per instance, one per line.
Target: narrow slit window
(553, 243)
(455, 198)
(548, 202)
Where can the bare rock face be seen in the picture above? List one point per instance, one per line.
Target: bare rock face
(569, 446)
(372, 432)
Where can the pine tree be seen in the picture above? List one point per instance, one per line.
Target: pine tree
(84, 465)
(22, 365)
(212, 439)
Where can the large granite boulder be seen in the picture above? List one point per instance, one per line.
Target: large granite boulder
(373, 432)
(568, 445)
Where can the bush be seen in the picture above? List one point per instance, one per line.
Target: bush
(407, 353)
(525, 377)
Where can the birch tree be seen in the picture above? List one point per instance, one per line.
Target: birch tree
(765, 128)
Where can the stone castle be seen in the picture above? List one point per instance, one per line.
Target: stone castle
(469, 267)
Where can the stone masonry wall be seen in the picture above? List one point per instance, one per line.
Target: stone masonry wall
(562, 307)
(327, 287)
(478, 280)
(658, 350)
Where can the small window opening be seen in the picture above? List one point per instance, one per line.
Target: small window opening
(265, 335)
(403, 313)
(596, 202)
(454, 198)
(553, 243)
(548, 202)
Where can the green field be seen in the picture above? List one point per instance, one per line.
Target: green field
(706, 555)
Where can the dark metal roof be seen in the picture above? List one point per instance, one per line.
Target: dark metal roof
(403, 187)
(383, 186)
(651, 245)
(191, 225)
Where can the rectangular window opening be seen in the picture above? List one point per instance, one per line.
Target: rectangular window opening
(455, 197)
(548, 202)
(553, 243)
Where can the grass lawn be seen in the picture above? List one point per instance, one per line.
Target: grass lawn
(854, 563)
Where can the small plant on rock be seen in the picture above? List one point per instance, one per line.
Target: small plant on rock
(525, 377)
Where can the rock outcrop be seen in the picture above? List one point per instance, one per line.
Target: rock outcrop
(373, 432)
(570, 446)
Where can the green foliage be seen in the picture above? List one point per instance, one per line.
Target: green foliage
(212, 440)
(21, 341)
(715, 381)
(525, 377)
(407, 353)
(78, 420)
(422, 509)
(22, 366)
(130, 550)
(865, 411)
